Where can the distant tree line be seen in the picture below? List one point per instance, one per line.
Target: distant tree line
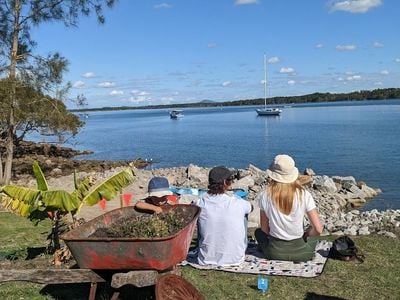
(378, 94)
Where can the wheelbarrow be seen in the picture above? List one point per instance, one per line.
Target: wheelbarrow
(130, 253)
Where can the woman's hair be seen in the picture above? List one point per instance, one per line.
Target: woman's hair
(282, 194)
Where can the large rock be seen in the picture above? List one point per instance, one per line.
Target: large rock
(325, 184)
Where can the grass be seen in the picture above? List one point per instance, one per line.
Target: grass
(377, 278)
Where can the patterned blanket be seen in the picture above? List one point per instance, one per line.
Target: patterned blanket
(254, 263)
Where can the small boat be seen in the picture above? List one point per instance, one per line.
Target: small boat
(267, 111)
(175, 114)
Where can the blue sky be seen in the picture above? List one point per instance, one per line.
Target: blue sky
(162, 52)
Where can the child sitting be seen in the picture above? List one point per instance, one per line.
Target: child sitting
(158, 196)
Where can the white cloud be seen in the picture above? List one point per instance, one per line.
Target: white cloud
(167, 99)
(273, 60)
(378, 45)
(385, 72)
(78, 84)
(354, 77)
(116, 93)
(244, 2)
(106, 84)
(397, 60)
(211, 45)
(378, 83)
(286, 70)
(346, 47)
(143, 93)
(140, 98)
(135, 92)
(88, 75)
(162, 5)
(226, 83)
(355, 6)
(291, 82)
(340, 79)
(319, 46)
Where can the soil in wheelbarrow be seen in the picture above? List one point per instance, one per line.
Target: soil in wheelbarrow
(146, 226)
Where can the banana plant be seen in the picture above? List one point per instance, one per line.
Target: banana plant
(42, 203)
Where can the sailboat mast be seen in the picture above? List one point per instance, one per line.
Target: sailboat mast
(265, 81)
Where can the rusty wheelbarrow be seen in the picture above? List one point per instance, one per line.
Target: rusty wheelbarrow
(124, 253)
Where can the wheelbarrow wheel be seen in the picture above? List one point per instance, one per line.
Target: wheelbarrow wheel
(174, 287)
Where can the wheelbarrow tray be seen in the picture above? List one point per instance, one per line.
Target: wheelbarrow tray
(127, 253)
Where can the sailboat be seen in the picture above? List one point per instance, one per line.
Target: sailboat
(267, 111)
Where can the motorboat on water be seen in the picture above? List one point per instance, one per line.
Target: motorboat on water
(267, 111)
(175, 114)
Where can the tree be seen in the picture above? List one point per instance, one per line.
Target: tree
(21, 67)
(36, 112)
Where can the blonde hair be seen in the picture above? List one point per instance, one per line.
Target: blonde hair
(282, 194)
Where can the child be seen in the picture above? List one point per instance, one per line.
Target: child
(158, 195)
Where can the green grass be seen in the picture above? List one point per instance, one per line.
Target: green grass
(377, 278)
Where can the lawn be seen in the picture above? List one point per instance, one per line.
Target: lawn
(377, 278)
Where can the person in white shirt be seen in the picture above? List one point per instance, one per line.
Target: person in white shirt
(222, 223)
(283, 206)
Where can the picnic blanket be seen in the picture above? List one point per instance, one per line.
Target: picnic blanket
(254, 263)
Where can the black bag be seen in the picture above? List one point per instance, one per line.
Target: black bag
(344, 248)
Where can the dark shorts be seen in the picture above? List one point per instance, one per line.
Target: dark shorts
(293, 250)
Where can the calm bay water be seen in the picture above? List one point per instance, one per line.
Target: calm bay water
(360, 139)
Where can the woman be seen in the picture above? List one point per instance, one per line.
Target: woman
(283, 206)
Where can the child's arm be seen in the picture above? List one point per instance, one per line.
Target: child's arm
(148, 206)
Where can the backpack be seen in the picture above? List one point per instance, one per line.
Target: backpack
(344, 248)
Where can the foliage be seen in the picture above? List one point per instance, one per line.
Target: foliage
(32, 81)
(42, 203)
(146, 226)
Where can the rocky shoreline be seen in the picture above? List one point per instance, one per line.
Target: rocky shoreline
(338, 199)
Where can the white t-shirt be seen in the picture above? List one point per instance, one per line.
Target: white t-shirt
(286, 227)
(222, 229)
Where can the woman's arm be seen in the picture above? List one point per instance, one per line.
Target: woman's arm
(148, 206)
(264, 222)
(316, 226)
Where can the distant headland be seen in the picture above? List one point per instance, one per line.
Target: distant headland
(377, 94)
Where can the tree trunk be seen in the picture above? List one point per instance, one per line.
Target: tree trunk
(9, 143)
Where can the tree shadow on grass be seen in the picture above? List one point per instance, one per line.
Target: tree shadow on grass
(80, 291)
(314, 296)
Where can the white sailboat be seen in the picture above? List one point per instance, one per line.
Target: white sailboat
(267, 111)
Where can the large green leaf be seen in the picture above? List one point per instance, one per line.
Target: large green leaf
(26, 195)
(60, 200)
(109, 188)
(83, 188)
(40, 179)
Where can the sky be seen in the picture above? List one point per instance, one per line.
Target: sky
(167, 52)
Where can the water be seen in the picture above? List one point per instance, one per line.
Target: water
(360, 139)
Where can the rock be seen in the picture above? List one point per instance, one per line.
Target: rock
(387, 234)
(309, 172)
(363, 231)
(197, 174)
(343, 180)
(325, 184)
